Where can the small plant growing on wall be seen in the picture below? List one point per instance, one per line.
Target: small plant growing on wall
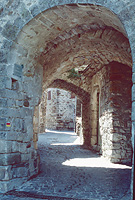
(73, 74)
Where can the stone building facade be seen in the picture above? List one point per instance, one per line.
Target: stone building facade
(41, 43)
(60, 110)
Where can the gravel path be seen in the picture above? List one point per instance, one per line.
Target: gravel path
(70, 172)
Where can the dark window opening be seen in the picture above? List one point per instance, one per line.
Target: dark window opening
(49, 95)
(14, 85)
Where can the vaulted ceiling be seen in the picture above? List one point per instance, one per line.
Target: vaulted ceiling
(83, 37)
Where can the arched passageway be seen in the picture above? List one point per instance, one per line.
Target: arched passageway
(60, 110)
(84, 46)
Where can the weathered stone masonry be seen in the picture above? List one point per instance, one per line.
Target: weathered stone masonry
(60, 110)
(24, 61)
(112, 136)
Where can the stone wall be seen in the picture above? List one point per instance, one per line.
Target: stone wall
(18, 158)
(120, 100)
(42, 112)
(111, 105)
(78, 117)
(61, 110)
(18, 52)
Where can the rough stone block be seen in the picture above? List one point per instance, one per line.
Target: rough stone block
(2, 124)
(5, 173)
(20, 136)
(8, 159)
(19, 103)
(3, 56)
(4, 112)
(17, 124)
(25, 14)
(11, 103)
(15, 146)
(125, 15)
(2, 173)
(23, 148)
(8, 83)
(82, 1)
(42, 5)
(11, 184)
(2, 82)
(10, 31)
(7, 44)
(35, 10)
(25, 157)
(22, 51)
(27, 112)
(19, 22)
(34, 166)
(19, 172)
(12, 94)
(52, 3)
(5, 146)
(70, 2)
(13, 112)
(7, 135)
(2, 69)
(3, 135)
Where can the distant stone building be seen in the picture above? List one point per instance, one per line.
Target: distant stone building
(60, 110)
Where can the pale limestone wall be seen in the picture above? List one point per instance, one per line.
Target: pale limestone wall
(42, 112)
(61, 110)
(52, 110)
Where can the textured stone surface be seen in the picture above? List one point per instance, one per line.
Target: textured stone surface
(8, 159)
(50, 44)
(60, 111)
(112, 135)
(5, 173)
(89, 179)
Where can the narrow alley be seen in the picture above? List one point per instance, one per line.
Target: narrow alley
(68, 171)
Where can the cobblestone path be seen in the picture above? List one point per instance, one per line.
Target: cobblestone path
(70, 172)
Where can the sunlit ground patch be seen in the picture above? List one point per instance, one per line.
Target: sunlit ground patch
(94, 162)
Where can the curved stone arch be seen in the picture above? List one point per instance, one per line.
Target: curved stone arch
(10, 31)
(14, 27)
(91, 53)
(80, 93)
(31, 9)
(85, 100)
(19, 18)
(80, 31)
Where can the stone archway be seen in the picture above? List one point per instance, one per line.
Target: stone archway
(88, 45)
